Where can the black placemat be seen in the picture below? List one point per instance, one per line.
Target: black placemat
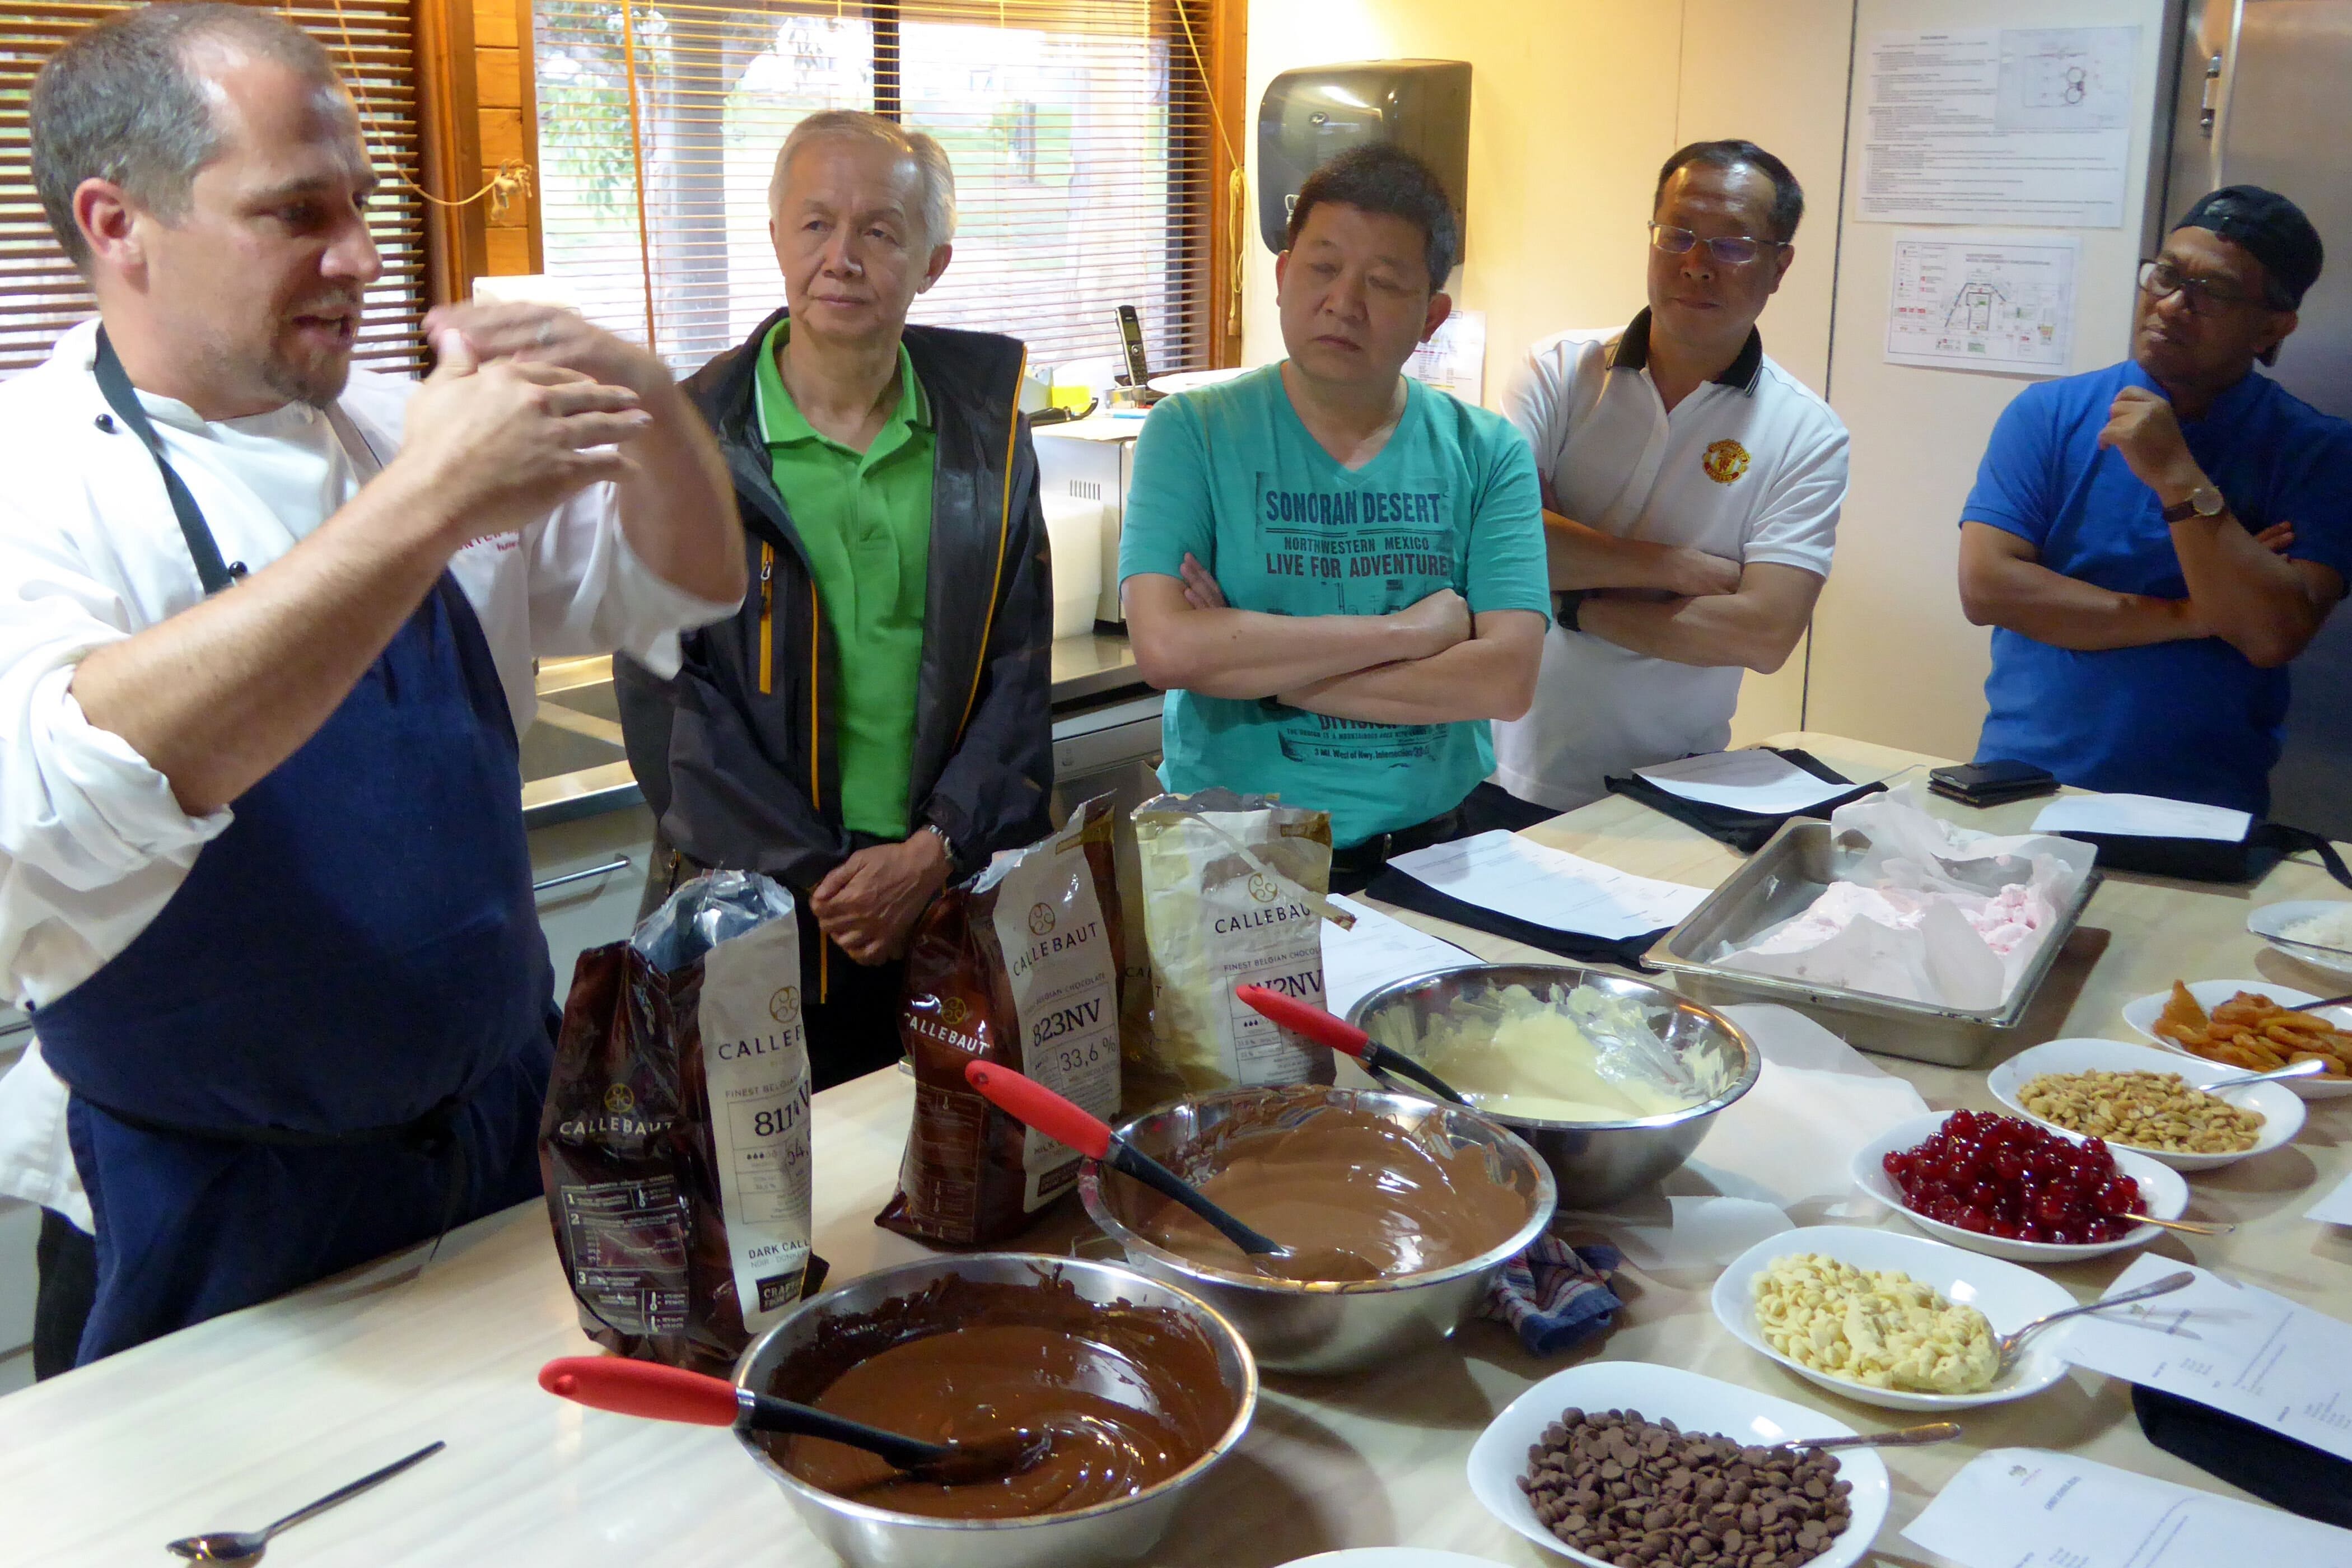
(1744, 831)
(2272, 1466)
(1408, 891)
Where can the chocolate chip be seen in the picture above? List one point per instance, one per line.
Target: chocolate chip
(1628, 1491)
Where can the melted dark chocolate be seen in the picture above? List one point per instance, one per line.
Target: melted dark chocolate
(1339, 1186)
(1131, 1395)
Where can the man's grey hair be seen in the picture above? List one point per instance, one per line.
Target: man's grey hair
(936, 202)
(123, 101)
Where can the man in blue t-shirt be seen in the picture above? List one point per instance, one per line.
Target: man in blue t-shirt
(2155, 541)
(1337, 573)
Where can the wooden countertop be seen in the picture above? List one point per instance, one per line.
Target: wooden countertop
(235, 1422)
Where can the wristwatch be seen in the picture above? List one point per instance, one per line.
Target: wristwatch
(2203, 502)
(1567, 605)
(947, 845)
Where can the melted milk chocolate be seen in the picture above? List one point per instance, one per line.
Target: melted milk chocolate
(1129, 1395)
(1336, 1180)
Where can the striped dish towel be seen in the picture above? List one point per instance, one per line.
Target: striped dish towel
(1555, 1295)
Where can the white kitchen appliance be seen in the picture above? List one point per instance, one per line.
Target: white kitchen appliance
(1092, 460)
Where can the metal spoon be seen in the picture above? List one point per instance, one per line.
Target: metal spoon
(1902, 1438)
(2307, 1067)
(1034, 1105)
(245, 1545)
(673, 1394)
(2323, 1000)
(2009, 1343)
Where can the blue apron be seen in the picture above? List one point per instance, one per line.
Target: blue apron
(334, 1040)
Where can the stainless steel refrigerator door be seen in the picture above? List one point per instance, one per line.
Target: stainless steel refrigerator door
(2282, 118)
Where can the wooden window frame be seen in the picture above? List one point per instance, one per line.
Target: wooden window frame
(365, 41)
(1211, 292)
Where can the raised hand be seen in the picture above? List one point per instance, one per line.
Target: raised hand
(494, 446)
(2143, 428)
(545, 335)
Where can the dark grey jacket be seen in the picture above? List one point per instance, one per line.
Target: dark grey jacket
(743, 773)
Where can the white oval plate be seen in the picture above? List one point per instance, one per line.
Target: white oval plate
(2008, 1296)
(2142, 1014)
(2270, 923)
(2282, 1112)
(1692, 1401)
(2162, 1194)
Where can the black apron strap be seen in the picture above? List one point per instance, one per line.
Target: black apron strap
(211, 570)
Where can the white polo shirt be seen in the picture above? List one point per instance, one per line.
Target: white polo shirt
(1751, 466)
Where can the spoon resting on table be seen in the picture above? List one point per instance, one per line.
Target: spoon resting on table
(245, 1545)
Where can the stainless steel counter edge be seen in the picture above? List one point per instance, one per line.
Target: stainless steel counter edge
(1090, 664)
(566, 797)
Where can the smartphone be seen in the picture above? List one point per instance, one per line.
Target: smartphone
(1130, 343)
(1988, 783)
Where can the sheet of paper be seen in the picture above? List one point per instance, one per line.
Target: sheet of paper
(2028, 1507)
(1377, 950)
(1455, 357)
(2336, 1208)
(2235, 1347)
(1983, 301)
(1792, 1138)
(1693, 1233)
(2142, 816)
(1529, 881)
(1758, 781)
(1986, 126)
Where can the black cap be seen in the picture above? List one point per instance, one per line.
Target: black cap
(2268, 227)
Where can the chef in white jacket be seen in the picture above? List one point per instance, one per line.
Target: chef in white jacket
(267, 626)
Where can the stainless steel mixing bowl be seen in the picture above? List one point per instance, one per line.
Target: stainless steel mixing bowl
(1116, 1532)
(1323, 1327)
(1595, 1162)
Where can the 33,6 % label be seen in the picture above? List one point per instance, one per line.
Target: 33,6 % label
(1077, 1059)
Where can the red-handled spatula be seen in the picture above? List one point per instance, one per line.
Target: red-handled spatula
(1330, 1029)
(1034, 1105)
(629, 1387)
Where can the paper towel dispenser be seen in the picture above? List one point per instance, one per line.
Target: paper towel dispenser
(1307, 115)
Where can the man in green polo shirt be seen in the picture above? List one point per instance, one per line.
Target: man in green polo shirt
(865, 522)
(874, 723)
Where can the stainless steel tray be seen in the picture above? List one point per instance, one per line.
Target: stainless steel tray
(1782, 879)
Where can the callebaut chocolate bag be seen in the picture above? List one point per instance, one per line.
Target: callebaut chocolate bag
(1232, 889)
(675, 1142)
(1019, 967)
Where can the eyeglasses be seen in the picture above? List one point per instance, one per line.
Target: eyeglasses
(2204, 297)
(1731, 249)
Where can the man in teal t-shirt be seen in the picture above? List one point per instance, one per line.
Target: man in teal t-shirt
(1338, 573)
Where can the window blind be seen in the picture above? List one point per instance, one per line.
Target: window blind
(1080, 133)
(372, 43)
